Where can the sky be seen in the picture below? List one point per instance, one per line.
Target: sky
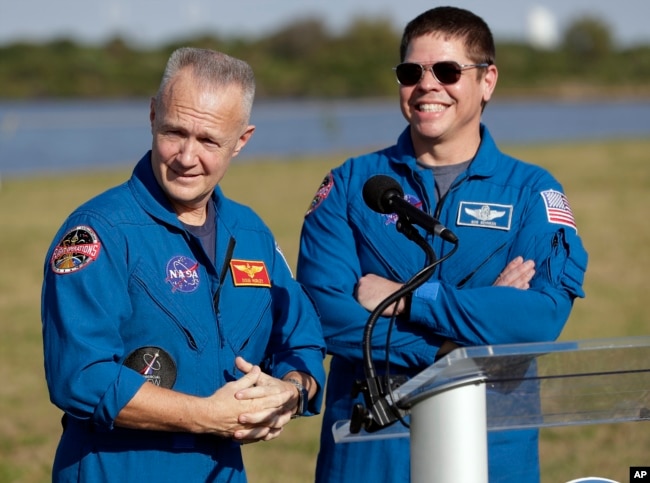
(152, 22)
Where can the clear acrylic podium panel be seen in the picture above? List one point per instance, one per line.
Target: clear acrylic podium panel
(537, 385)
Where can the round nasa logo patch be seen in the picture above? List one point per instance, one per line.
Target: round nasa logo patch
(79, 247)
(414, 200)
(182, 273)
(156, 365)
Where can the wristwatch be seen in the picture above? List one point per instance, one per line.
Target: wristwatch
(303, 397)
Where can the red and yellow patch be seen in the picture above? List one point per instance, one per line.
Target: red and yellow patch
(249, 273)
(79, 247)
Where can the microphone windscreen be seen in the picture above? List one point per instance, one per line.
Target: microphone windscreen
(378, 191)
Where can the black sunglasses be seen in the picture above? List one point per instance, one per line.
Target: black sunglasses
(446, 72)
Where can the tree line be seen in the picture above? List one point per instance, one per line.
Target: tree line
(303, 59)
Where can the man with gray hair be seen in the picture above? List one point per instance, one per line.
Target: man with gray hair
(173, 329)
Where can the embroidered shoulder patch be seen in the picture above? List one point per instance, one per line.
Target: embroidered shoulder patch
(322, 193)
(78, 248)
(485, 215)
(558, 209)
(249, 273)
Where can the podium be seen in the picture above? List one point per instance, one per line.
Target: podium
(454, 402)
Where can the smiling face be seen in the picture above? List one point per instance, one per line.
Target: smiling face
(445, 115)
(197, 129)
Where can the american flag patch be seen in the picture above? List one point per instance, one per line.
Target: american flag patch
(557, 208)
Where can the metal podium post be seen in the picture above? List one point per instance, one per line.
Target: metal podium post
(449, 436)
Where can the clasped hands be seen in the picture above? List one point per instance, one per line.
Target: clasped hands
(255, 407)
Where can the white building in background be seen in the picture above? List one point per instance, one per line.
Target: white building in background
(542, 28)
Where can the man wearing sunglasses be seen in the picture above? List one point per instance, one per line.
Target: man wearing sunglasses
(518, 266)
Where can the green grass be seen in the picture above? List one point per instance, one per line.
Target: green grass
(608, 184)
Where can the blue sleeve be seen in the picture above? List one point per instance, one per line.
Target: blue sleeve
(492, 315)
(329, 267)
(81, 313)
(297, 340)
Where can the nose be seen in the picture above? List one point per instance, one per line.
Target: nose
(428, 80)
(187, 151)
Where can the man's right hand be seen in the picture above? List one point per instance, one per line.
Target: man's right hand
(517, 274)
(160, 409)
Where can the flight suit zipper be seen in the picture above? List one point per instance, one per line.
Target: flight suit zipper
(217, 293)
(454, 186)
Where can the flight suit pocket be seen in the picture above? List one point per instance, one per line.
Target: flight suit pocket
(245, 317)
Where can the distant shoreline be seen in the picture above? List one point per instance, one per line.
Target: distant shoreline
(72, 134)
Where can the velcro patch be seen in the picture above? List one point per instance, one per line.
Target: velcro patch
(156, 365)
(557, 208)
(249, 273)
(322, 193)
(485, 215)
(182, 274)
(79, 247)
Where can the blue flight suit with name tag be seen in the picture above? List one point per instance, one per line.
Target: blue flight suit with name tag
(499, 208)
(130, 296)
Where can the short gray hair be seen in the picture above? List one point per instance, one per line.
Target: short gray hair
(214, 69)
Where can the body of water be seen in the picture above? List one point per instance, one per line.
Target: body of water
(51, 136)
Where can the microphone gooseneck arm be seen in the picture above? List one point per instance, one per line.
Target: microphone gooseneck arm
(380, 409)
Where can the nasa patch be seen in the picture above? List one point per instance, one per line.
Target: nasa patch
(393, 217)
(182, 273)
(155, 364)
(322, 193)
(78, 248)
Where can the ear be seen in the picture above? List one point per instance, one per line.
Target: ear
(243, 139)
(489, 81)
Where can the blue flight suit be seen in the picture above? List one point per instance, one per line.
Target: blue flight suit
(499, 208)
(130, 296)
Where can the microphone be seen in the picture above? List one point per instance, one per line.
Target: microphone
(384, 194)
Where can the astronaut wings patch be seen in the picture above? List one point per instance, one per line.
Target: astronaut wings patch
(249, 273)
(485, 215)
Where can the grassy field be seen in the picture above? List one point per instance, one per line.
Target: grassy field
(608, 184)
